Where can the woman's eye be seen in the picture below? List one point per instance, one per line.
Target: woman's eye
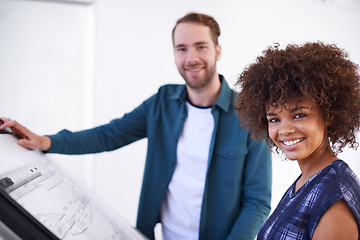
(299, 115)
(273, 120)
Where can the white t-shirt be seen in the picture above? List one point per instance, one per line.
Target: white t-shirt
(181, 210)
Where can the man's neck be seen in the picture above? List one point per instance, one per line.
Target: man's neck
(207, 95)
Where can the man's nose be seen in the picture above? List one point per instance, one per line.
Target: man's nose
(192, 57)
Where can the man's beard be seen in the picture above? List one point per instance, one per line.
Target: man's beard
(200, 83)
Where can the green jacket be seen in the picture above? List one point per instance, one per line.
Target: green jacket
(237, 191)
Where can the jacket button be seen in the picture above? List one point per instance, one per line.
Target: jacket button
(164, 185)
(230, 154)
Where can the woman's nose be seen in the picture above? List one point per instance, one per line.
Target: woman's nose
(286, 128)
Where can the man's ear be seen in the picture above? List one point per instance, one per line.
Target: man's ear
(218, 52)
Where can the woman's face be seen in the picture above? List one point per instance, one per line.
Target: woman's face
(297, 129)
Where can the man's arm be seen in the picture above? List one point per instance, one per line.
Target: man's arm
(119, 132)
(256, 192)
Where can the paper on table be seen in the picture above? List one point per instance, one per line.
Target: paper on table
(62, 204)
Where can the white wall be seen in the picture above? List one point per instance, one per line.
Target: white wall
(66, 65)
(44, 65)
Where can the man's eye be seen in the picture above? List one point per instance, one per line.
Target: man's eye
(181, 49)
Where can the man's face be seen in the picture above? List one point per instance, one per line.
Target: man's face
(195, 54)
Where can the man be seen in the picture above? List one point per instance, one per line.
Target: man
(204, 177)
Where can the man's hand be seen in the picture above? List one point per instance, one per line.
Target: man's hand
(29, 139)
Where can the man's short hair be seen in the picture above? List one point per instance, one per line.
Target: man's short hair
(202, 19)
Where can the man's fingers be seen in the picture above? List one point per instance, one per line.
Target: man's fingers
(26, 144)
(7, 122)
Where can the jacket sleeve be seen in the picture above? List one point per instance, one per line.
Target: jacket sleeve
(117, 133)
(257, 183)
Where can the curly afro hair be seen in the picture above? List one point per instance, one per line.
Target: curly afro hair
(315, 71)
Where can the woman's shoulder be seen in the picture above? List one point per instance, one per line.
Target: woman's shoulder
(348, 184)
(345, 175)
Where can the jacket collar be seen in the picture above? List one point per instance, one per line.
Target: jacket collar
(224, 100)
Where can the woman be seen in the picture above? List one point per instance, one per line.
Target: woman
(305, 101)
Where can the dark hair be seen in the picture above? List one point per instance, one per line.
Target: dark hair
(315, 71)
(202, 19)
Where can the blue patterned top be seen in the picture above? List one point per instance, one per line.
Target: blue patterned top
(297, 214)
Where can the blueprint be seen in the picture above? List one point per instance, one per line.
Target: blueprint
(63, 205)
